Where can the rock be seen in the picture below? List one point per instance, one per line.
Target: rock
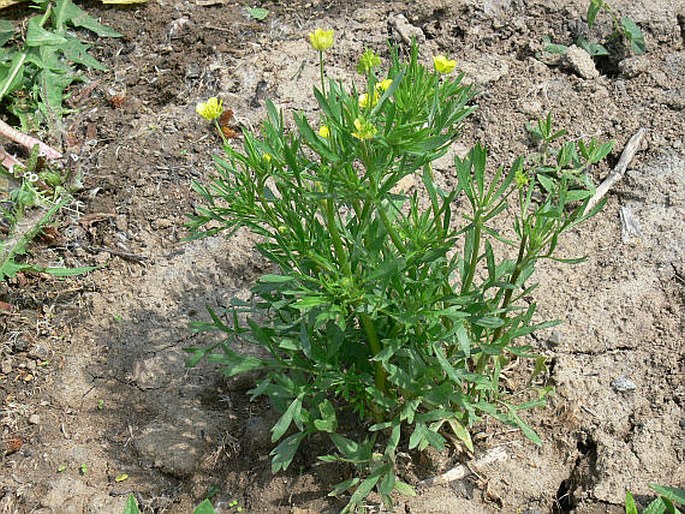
(405, 30)
(34, 419)
(485, 70)
(623, 384)
(6, 367)
(633, 66)
(579, 61)
(554, 338)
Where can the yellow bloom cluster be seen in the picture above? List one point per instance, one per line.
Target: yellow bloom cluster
(443, 64)
(383, 85)
(365, 101)
(211, 109)
(321, 40)
(324, 131)
(363, 129)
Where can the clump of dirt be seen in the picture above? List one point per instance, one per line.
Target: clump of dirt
(92, 368)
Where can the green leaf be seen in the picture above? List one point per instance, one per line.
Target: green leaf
(631, 508)
(328, 422)
(284, 421)
(275, 279)
(594, 49)
(205, 507)
(634, 35)
(258, 13)
(592, 11)
(658, 506)
(526, 429)
(284, 453)
(38, 36)
(404, 489)
(131, 506)
(66, 12)
(553, 48)
(6, 31)
(461, 433)
(674, 494)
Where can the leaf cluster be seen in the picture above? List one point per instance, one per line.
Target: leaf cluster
(667, 502)
(393, 315)
(36, 71)
(624, 29)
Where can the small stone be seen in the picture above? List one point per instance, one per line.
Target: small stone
(580, 62)
(34, 419)
(633, 66)
(6, 367)
(554, 339)
(623, 384)
(682, 423)
(406, 31)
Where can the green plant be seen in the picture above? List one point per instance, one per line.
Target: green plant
(35, 196)
(624, 29)
(35, 74)
(392, 317)
(131, 507)
(666, 503)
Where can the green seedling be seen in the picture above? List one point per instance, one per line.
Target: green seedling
(121, 478)
(667, 502)
(624, 30)
(101, 405)
(61, 469)
(393, 311)
(83, 469)
(258, 13)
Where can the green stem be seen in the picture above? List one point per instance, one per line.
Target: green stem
(375, 346)
(520, 261)
(335, 236)
(477, 230)
(397, 241)
(323, 85)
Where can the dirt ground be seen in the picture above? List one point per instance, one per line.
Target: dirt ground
(92, 368)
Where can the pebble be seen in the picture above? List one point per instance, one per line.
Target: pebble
(6, 367)
(623, 384)
(580, 62)
(34, 419)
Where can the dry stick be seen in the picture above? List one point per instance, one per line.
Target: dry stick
(462, 471)
(619, 170)
(27, 141)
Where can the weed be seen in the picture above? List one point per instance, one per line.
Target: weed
(624, 30)
(374, 331)
(131, 507)
(35, 74)
(666, 503)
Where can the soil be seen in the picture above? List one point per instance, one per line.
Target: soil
(93, 381)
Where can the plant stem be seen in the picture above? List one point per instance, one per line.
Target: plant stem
(323, 85)
(512, 281)
(335, 236)
(375, 346)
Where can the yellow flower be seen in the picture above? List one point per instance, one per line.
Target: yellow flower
(383, 85)
(443, 64)
(211, 109)
(267, 157)
(364, 102)
(321, 40)
(324, 131)
(364, 129)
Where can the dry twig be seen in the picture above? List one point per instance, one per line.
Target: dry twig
(619, 170)
(462, 471)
